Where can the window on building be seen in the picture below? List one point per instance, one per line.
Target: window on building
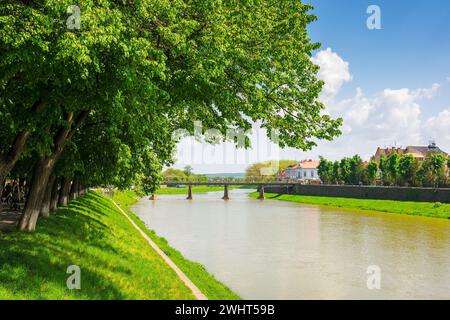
(312, 174)
(304, 174)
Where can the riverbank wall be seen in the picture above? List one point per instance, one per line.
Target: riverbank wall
(366, 192)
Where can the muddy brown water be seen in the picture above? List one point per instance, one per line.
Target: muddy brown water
(279, 250)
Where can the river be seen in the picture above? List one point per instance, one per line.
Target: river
(279, 250)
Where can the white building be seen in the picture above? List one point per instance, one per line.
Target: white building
(307, 170)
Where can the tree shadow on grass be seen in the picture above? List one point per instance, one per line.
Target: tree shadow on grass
(274, 196)
(39, 271)
(89, 213)
(97, 203)
(34, 265)
(38, 274)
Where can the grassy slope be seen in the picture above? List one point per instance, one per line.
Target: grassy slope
(435, 210)
(115, 261)
(212, 288)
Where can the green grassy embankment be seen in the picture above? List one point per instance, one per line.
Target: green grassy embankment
(212, 288)
(427, 209)
(115, 261)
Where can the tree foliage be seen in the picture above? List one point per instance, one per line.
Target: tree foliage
(399, 170)
(326, 171)
(408, 166)
(433, 170)
(267, 170)
(172, 175)
(100, 104)
(372, 172)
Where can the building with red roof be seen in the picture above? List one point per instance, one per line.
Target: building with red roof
(306, 171)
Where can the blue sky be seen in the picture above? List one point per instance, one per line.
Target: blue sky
(391, 86)
(411, 50)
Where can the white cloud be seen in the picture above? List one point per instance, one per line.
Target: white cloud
(448, 78)
(427, 93)
(438, 128)
(390, 117)
(333, 70)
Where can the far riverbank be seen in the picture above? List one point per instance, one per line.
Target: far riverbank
(426, 209)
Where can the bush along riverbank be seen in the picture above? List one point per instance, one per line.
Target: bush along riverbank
(426, 209)
(114, 260)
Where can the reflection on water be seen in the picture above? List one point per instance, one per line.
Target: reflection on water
(279, 250)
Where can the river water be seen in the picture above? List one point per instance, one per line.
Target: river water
(279, 250)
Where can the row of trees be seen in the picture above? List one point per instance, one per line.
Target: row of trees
(267, 171)
(97, 106)
(187, 175)
(399, 170)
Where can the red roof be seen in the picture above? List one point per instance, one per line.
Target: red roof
(305, 164)
(310, 164)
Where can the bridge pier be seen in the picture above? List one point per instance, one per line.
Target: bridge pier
(225, 193)
(189, 197)
(226, 184)
(261, 192)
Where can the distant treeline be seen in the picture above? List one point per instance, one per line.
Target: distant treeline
(186, 175)
(267, 171)
(395, 170)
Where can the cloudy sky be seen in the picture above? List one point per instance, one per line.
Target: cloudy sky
(391, 86)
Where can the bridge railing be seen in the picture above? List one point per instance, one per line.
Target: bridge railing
(225, 184)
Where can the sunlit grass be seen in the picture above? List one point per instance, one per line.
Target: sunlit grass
(206, 282)
(428, 209)
(115, 261)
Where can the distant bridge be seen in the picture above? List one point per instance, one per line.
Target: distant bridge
(260, 186)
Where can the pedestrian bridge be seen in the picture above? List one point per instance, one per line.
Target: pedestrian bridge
(259, 185)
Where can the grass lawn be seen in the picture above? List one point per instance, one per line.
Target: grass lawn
(115, 261)
(428, 209)
(212, 288)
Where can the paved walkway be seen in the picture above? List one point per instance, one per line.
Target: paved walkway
(8, 219)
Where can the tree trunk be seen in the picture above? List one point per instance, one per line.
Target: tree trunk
(27, 187)
(55, 196)
(64, 192)
(74, 189)
(45, 207)
(22, 189)
(42, 171)
(10, 158)
(2, 185)
(79, 188)
(44, 168)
